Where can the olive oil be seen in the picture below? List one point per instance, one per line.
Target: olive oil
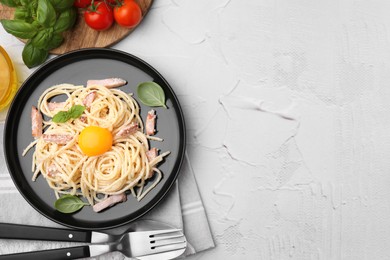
(8, 82)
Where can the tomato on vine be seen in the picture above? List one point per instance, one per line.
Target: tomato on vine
(127, 13)
(99, 16)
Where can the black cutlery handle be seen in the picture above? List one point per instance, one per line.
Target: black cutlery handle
(16, 231)
(53, 254)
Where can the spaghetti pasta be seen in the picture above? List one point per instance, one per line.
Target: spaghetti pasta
(64, 165)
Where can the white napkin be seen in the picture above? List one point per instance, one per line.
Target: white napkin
(182, 208)
(195, 223)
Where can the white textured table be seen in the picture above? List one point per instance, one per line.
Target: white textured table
(288, 114)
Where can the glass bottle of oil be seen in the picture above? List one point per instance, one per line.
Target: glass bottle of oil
(8, 82)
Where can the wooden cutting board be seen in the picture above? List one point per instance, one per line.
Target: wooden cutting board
(81, 36)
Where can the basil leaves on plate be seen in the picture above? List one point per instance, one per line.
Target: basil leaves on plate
(151, 94)
(69, 204)
(73, 113)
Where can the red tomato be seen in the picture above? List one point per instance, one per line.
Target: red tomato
(99, 16)
(82, 3)
(128, 14)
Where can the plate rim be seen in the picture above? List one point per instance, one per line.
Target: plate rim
(59, 59)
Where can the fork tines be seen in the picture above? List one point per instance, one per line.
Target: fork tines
(166, 234)
(167, 240)
(164, 231)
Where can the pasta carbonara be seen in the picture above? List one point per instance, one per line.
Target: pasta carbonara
(71, 166)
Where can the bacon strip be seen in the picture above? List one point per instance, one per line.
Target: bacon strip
(89, 99)
(109, 202)
(151, 154)
(36, 122)
(54, 105)
(127, 130)
(108, 83)
(57, 138)
(150, 122)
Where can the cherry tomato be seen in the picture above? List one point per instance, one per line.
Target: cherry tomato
(128, 14)
(99, 16)
(82, 3)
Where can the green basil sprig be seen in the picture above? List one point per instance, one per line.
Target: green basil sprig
(23, 14)
(69, 204)
(62, 5)
(65, 20)
(20, 29)
(33, 56)
(42, 23)
(10, 3)
(42, 38)
(55, 41)
(46, 14)
(151, 94)
(73, 113)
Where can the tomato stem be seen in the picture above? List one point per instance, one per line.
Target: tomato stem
(93, 7)
(117, 3)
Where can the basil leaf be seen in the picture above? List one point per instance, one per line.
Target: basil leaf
(73, 113)
(10, 3)
(19, 28)
(151, 94)
(22, 13)
(55, 41)
(33, 56)
(61, 117)
(66, 20)
(42, 38)
(36, 25)
(76, 111)
(62, 4)
(46, 15)
(33, 6)
(25, 2)
(69, 204)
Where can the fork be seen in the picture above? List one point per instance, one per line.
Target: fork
(131, 244)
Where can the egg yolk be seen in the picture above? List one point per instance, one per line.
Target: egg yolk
(95, 140)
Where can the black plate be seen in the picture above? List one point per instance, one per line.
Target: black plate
(76, 68)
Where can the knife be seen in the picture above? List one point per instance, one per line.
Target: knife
(26, 232)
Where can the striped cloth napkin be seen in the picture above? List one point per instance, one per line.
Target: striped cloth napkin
(182, 208)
